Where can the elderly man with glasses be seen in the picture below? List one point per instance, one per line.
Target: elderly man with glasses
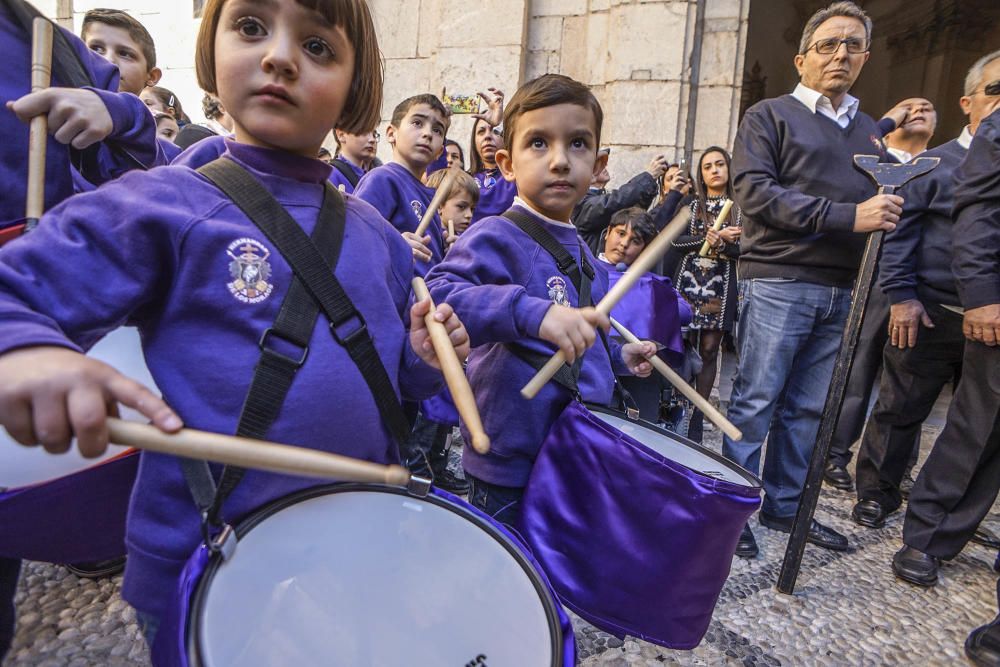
(807, 211)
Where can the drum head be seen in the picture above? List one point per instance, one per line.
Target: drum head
(23, 466)
(678, 449)
(364, 575)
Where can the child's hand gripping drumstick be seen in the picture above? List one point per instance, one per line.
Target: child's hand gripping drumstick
(436, 201)
(652, 254)
(454, 375)
(706, 248)
(38, 135)
(257, 454)
(699, 401)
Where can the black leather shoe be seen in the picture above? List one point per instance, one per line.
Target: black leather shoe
(838, 477)
(987, 538)
(747, 546)
(869, 513)
(452, 483)
(915, 566)
(983, 645)
(98, 569)
(820, 535)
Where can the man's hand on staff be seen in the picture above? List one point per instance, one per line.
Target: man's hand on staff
(905, 319)
(879, 212)
(983, 324)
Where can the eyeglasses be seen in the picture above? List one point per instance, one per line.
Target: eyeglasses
(830, 46)
(992, 89)
(376, 135)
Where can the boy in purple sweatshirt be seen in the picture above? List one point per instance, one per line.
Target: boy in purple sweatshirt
(167, 251)
(416, 133)
(517, 303)
(95, 133)
(355, 154)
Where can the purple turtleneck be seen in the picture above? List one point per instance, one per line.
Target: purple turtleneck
(158, 250)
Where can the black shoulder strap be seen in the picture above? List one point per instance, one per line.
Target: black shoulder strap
(314, 288)
(567, 376)
(66, 64)
(345, 169)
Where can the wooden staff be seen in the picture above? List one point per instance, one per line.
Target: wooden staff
(723, 214)
(451, 227)
(38, 134)
(247, 453)
(673, 378)
(454, 375)
(649, 256)
(436, 202)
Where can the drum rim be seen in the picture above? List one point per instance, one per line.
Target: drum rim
(755, 481)
(192, 635)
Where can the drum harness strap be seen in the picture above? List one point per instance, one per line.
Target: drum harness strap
(314, 288)
(567, 376)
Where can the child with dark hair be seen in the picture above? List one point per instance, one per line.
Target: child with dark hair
(709, 283)
(182, 261)
(454, 154)
(516, 302)
(162, 100)
(416, 134)
(123, 41)
(355, 153)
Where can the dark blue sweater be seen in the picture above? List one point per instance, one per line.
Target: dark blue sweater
(916, 257)
(976, 241)
(795, 179)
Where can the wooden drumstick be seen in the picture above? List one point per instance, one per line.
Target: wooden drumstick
(673, 378)
(451, 227)
(649, 256)
(436, 202)
(706, 248)
(247, 453)
(38, 134)
(454, 374)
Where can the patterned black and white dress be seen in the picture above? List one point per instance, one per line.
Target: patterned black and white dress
(707, 283)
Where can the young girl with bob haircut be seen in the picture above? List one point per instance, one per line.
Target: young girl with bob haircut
(177, 258)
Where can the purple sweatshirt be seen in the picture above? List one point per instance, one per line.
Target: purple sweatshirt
(338, 179)
(501, 283)
(158, 249)
(402, 200)
(496, 194)
(131, 144)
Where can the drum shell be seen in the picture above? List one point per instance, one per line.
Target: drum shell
(176, 641)
(632, 541)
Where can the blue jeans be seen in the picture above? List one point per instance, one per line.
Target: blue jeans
(789, 335)
(503, 503)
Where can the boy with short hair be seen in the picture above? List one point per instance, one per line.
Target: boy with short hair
(123, 41)
(459, 202)
(517, 304)
(416, 132)
(355, 153)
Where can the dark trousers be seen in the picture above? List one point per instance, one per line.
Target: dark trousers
(503, 503)
(860, 383)
(647, 393)
(10, 568)
(960, 479)
(425, 452)
(912, 379)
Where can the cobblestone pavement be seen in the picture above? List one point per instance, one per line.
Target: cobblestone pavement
(848, 609)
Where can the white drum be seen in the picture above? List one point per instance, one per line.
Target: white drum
(367, 575)
(22, 466)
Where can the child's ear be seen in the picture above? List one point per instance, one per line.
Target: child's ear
(153, 76)
(390, 135)
(600, 163)
(506, 164)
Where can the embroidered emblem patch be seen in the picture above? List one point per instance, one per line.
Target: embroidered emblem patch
(418, 209)
(250, 270)
(557, 290)
(488, 182)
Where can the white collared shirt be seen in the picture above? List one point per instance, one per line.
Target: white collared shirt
(900, 155)
(965, 138)
(819, 103)
(520, 202)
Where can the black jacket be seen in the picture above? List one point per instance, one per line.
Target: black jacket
(592, 215)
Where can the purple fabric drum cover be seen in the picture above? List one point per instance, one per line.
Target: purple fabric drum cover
(632, 541)
(649, 310)
(73, 519)
(170, 647)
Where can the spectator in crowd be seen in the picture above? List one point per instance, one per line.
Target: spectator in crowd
(911, 137)
(162, 100)
(454, 153)
(496, 194)
(709, 283)
(593, 214)
(806, 213)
